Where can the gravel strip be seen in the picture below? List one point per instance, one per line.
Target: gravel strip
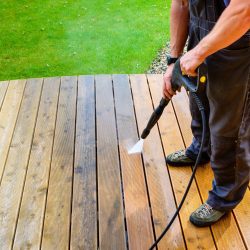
(159, 65)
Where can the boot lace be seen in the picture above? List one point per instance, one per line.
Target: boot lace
(205, 210)
(179, 153)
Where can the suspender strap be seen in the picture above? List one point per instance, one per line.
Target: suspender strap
(214, 9)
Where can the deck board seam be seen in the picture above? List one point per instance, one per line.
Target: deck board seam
(119, 160)
(4, 95)
(73, 167)
(96, 162)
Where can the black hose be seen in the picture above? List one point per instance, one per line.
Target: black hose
(201, 109)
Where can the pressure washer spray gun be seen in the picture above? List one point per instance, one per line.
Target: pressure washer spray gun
(178, 80)
(193, 86)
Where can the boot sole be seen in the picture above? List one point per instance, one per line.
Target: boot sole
(180, 164)
(203, 224)
(183, 164)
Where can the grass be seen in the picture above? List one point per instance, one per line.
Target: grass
(52, 38)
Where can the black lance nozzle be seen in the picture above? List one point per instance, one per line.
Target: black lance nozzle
(155, 117)
(178, 80)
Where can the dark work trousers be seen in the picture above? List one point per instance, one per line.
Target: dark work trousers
(227, 105)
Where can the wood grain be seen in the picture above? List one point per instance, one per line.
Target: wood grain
(17, 161)
(56, 231)
(30, 223)
(135, 191)
(110, 205)
(84, 211)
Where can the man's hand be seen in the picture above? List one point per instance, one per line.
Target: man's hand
(166, 87)
(190, 62)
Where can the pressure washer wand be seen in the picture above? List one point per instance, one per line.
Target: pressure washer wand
(178, 80)
(138, 147)
(155, 117)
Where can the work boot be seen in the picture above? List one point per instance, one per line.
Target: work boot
(179, 158)
(205, 215)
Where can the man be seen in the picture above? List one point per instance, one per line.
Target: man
(219, 35)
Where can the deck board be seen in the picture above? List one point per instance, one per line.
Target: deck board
(67, 181)
(84, 231)
(137, 208)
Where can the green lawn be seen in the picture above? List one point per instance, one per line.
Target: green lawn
(52, 38)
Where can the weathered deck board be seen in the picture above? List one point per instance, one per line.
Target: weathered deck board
(84, 231)
(137, 208)
(68, 182)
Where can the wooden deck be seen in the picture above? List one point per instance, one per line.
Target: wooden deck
(67, 180)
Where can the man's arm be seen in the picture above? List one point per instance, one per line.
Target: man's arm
(233, 23)
(178, 36)
(179, 19)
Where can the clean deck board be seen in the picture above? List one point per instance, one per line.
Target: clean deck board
(67, 181)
